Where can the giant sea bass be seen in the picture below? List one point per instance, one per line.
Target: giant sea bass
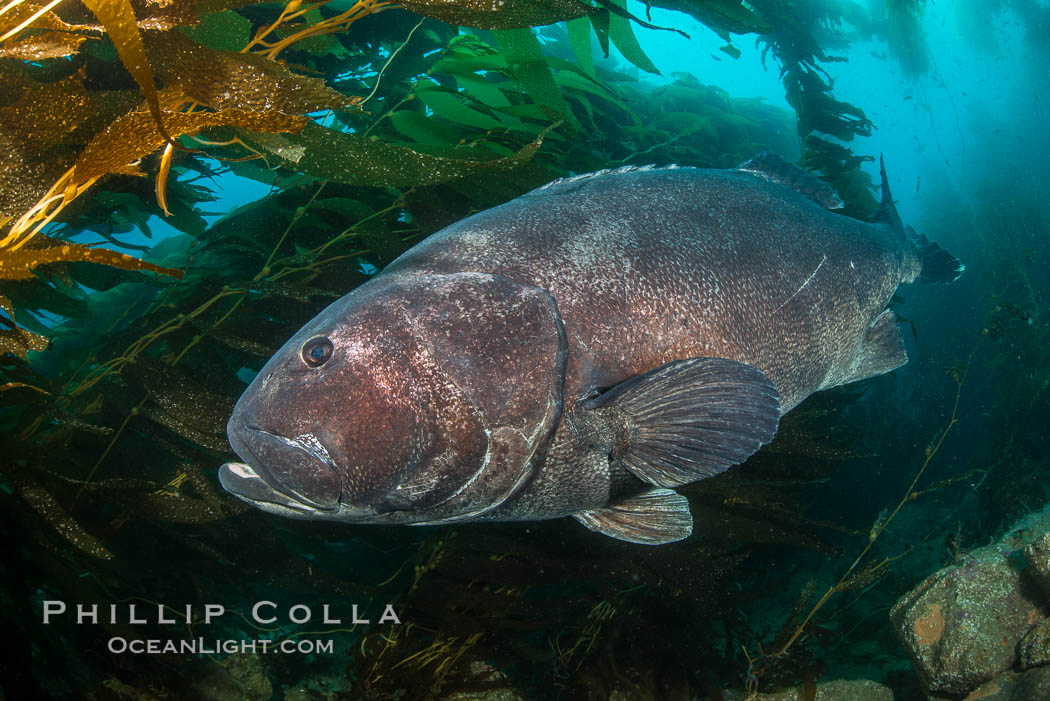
(579, 351)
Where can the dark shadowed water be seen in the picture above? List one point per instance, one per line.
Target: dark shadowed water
(302, 171)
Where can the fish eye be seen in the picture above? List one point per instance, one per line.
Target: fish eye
(317, 351)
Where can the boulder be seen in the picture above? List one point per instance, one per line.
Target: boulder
(835, 690)
(962, 626)
(1037, 557)
(1033, 685)
(1034, 648)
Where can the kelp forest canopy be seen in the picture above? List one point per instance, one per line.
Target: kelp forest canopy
(372, 124)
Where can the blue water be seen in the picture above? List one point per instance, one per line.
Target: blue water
(978, 103)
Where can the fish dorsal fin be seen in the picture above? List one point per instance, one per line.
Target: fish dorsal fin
(601, 173)
(653, 518)
(887, 211)
(689, 419)
(769, 166)
(881, 350)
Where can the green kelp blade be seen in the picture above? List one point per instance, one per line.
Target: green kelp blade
(465, 54)
(449, 105)
(600, 22)
(423, 129)
(626, 42)
(354, 159)
(572, 79)
(530, 70)
(224, 31)
(483, 89)
(580, 38)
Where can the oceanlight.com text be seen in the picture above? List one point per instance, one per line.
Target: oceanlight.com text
(213, 646)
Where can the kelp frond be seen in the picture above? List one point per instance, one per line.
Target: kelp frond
(263, 97)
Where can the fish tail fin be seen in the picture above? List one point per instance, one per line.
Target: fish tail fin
(935, 263)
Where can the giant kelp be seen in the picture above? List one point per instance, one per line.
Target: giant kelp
(370, 132)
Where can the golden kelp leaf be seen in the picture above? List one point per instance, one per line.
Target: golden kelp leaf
(16, 385)
(19, 342)
(37, 47)
(149, 15)
(491, 14)
(44, 504)
(133, 136)
(119, 20)
(231, 80)
(42, 250)
(356, 160)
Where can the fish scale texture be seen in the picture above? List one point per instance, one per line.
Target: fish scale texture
(653, 265)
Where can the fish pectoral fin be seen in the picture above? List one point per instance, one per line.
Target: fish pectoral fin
(653, 518)
(881, 350)
(690, 419)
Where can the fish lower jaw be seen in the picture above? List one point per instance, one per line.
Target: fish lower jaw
(242, 481)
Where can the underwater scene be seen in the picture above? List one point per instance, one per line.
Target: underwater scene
(501, 350)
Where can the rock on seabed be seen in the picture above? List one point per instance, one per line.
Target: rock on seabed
(835, 690)
(963, 625)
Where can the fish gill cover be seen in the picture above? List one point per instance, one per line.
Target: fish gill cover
(135, 308)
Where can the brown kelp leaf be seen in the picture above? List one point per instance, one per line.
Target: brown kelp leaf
(178, 424)
(43, 126)
(173, 509)
(168, 14)
(37, 47)
(118, 18)
(203, 486)
(14, 17)
(44, 504)
(42, 250)
(5, 304)
(182, 404)
(18, 342)
(230, 80)
(356, 160)
(133, 136)
(509, 14)
(722, 16)
(236, 342)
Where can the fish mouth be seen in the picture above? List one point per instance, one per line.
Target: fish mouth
(240, 480)
(293, 477)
